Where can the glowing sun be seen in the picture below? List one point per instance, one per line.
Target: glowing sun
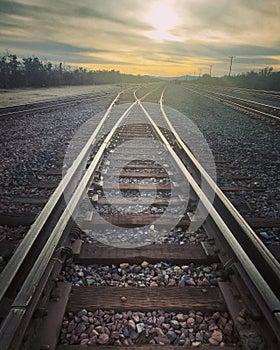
(163, 18)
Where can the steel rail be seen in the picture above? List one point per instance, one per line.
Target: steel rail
(255, 111)
(227, 100)
(265, 291)
(259, 258)
(69, 101)
(275, 95)
(8, 274)
(245, 100)
(258, 245)
(24, 297)
(249, 101)
(52, 100)
(269, 258)
(264, 92)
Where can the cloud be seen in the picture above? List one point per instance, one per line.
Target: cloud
(113, 34)
(18, 8)
(48, 46)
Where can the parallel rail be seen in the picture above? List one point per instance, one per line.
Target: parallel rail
(257, 261)
(48, 104)
(44, 224)
(45, 220)
(245, 253)
(256, 108)
(264, 94)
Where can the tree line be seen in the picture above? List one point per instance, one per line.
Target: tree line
(264, 79)
(33, 72)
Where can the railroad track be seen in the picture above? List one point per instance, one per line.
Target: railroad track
(49, 104)
(127, 194)
(249, 106)
(262, 94)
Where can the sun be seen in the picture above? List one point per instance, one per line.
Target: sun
(163, 18)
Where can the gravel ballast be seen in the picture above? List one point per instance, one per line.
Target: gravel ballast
(155, 328)
(35, 143)
(152, 275)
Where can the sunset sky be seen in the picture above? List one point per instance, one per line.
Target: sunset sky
(155, 37)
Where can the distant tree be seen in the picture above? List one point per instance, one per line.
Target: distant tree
(3, 73)
(32, 72)
(265, 79)
(266, 71)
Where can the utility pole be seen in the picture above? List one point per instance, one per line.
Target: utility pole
(210, 71)
(230, 65)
